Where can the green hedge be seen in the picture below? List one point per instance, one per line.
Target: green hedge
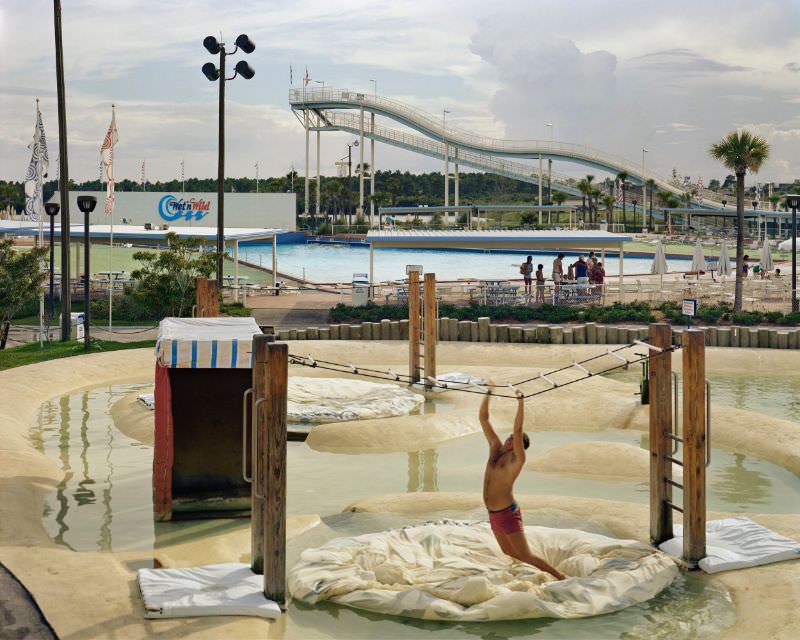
(634, 312)
(640, 312)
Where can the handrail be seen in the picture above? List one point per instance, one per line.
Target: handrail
(326, 98)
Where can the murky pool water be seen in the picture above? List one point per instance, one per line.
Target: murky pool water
(104, 503)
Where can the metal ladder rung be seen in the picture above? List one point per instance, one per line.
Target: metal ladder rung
(672, 436)
(673, 506)
(675, 460)
(677, 485)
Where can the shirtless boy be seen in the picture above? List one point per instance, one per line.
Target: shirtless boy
(505, 463)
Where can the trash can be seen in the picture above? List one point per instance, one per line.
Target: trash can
(360, 295)
(603, 225)
(76, 325)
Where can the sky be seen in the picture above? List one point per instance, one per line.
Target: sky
(671, 77)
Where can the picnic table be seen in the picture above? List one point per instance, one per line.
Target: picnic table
(498, 292)
(575, 293)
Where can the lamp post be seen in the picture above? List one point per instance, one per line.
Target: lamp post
(549, 125)
(86, 204)
(644, 191)
(793, 202)
(350, 172)
(634, 212)
(52, 209)
(213, 73)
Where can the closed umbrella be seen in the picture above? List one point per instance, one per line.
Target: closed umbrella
(698, 259)
(659, 265)
(724, 268)
(766, 258)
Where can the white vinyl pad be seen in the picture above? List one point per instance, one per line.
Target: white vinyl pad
(737, 543)
(456, 571)
(214, 590)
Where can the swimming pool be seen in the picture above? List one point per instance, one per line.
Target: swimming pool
(338, 263)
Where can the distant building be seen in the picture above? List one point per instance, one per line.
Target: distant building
(242, 210)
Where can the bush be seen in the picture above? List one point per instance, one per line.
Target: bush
(712, 313)
(324, 229)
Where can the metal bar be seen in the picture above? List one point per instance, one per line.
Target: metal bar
(673, 437)
(548, 380)
(648, 345)
(609, 352)
(245, 477)
(255, 443)
(675, 460)
(582, 368)
(673, 506)
(675, 414)
(708, 423)
(677, 485)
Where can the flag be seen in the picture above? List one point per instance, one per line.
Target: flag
(107, 156)
(291, 77)
(698, 195)
(142, 179)
(306, 79)
(37, 169)
(619, 192)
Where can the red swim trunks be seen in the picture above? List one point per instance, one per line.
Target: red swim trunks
(508, 520)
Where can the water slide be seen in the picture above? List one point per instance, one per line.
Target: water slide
(466, 148)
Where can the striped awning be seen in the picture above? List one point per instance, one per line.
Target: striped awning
(206, 343)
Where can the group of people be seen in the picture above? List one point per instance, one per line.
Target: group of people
(758, 270)
(588, 271)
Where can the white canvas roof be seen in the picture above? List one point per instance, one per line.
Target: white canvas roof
(206, 343)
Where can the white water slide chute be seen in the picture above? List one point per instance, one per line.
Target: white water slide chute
(463, 147)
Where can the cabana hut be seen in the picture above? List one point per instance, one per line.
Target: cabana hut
(203, 367)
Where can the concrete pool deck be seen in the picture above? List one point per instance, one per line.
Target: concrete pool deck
(94, 595)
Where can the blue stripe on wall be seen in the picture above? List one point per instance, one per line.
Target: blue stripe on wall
(213, 354)
(234, 352)
(194, 354)
(174, 353)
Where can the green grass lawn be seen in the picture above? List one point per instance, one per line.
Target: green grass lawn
(30, 353)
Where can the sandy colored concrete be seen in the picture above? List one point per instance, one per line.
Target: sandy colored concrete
(133, 418)
(94, 595)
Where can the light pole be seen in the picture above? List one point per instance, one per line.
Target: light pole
(350, 173)
(213, 73)
(372, 157)
(549, 125)
(793, 202)
(86, 204)
(633, 202)
(446, 155)
(256, 165)
(644, 192)
(52, 209)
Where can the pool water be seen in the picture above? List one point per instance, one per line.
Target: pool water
(338, 263)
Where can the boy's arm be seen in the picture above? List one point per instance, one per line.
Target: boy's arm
(488, 430)
(519, 446)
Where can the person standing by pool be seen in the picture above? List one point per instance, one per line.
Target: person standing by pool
(745, 266)
(558, 270)
(526, 269)
(540, 284)
(581, 270)
(506, 460)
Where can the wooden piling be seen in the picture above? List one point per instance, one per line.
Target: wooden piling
(274, 418)
(660, 373)
(694, 447)
(431, 325)
(257, 455)
(206, 298)
(413, 326)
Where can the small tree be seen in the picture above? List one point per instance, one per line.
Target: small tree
(21, 279)
(164, 286)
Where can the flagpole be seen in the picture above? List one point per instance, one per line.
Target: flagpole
(41, 236)
(111, 235)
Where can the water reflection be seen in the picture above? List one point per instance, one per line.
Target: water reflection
(423, 471)
(102, 502)
(740, 486)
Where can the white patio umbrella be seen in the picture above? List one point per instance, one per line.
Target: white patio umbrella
(659, 265)
(698, 259)
(724, 268)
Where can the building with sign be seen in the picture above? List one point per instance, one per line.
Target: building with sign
(176, 209)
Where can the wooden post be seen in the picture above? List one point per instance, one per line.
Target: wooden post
(660, 389)
(257, 455)
(413, 326)
(273, 357)
(207, 298)
(694, 446)
(431, 325)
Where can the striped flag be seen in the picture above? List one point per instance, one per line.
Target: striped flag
(698, 194)
(37, 169)
(619, 192)
(143, 179)
(291, 76)
(306, 79)
(107, 156)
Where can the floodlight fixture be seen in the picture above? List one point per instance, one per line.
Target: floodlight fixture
(52, 208)
(244, 69)
(210, 71)
(245, 43)
(212, 45)
(793, 200)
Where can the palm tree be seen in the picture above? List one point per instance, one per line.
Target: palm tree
(774, 200)
(583, 187)
(608, 203)
(740, 151)
(559, 197)
(589, 192)
(622, 176)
